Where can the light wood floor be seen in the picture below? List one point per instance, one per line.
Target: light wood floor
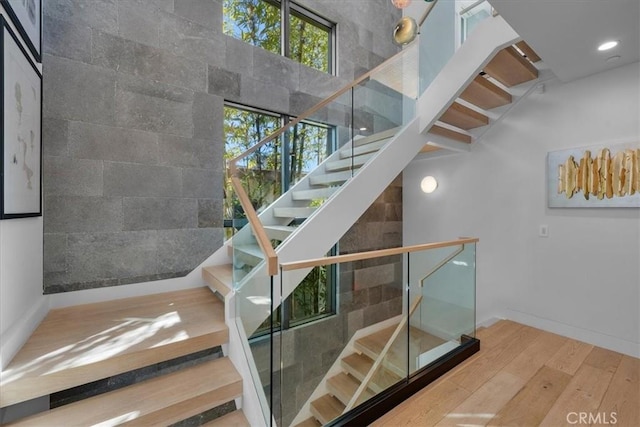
(523, 376)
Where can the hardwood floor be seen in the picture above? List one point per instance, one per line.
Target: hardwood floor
(524, 376)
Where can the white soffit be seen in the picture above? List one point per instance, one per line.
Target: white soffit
(567, 33)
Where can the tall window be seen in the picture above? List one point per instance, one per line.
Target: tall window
(265, 176)
(282, 27)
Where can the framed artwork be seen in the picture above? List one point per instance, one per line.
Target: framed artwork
(27, 17)
(595, 177)
(21, 155)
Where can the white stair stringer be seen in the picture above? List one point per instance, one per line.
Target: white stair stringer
(488, 38)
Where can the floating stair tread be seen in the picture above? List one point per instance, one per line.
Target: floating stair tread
(389, 133)
(395, 360)
(326, 408)
(429, 148)
(293, 212)
(526, 49)
(161, 400)
(344, 386)
(220, 277)
(451, 134)
(309, 422)
(464, 117)
(510, 68)
(330, 178)
(232, 419)
(359, 365)
(279, 232)
(346, 153)
(317, 193)
(485, 94)
(85, 343)
(343, 164)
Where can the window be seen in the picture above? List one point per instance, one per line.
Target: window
(302, 35)
(265, 177)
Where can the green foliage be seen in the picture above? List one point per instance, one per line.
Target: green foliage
(258, 22)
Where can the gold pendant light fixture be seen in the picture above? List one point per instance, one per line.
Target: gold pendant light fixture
(407, 28)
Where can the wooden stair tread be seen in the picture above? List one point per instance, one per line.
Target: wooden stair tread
(485, 94)
(220, 277)
(395, 360)
(344, 386)
(161, 400)
(309, 422)
(232, 419)
(85, 343)
(429, 148)
(526, 49)
(464, 117)
(326, 408)
(510, 68)
(451, 134)
(359, 365)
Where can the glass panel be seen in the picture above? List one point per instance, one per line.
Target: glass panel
(444, 31)
(256, 22)
(262, 353)
(309, 145)
(443, 290)
(320, 358)
(309, 42)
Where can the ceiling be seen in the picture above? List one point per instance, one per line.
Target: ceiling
(567, 33)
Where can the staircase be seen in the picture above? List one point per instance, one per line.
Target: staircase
(356, 367)
(483, 80)
(162, 352)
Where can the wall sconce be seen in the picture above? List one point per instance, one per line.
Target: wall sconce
(428, 184)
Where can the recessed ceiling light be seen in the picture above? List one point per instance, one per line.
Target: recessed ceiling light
(608, 45)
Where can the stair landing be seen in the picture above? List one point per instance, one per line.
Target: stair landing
(80, 344)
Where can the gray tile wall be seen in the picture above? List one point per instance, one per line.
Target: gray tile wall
(133, 143)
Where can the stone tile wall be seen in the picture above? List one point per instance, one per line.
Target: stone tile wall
(132, 132)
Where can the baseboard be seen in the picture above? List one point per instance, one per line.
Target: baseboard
(592, 337)
(17, 334)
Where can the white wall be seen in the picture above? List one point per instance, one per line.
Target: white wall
(583, 280)
(22, 304)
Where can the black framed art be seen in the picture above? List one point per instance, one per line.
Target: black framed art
(27, 17)
(21, 130)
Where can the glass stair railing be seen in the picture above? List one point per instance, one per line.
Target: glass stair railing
(336, 376)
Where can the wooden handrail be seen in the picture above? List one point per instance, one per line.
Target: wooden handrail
(261, 235)
(317, 262)
(378, 362)
(306, 114)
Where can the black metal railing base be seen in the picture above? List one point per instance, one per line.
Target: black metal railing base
(385, 401)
